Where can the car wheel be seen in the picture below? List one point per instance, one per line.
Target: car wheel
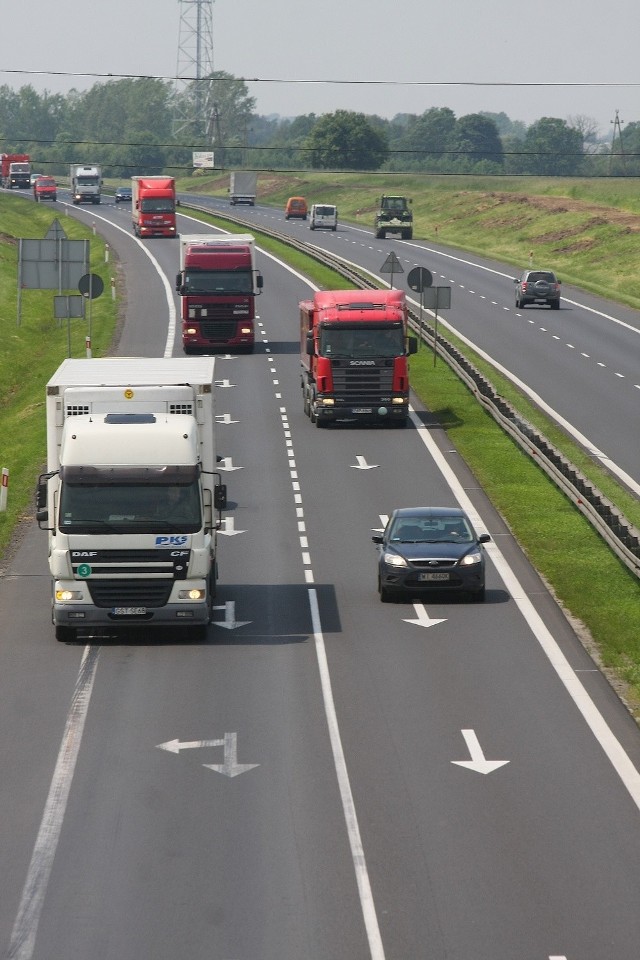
(555, 304)
(477, 596)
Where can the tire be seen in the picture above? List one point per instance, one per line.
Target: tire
(555, 304)
(66, 634)
(478, 596)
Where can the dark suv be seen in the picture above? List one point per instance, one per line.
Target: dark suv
(538, 286)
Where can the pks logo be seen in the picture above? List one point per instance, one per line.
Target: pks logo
(177, 540)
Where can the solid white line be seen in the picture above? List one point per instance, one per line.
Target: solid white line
(596, 722)
(357, 852)
(25, 928)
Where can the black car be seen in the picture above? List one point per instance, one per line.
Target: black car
(123, 195)
(538, 286)
(430, 549)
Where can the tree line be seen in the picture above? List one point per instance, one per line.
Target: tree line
(145, 125)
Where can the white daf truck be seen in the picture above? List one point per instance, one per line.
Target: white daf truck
(131, 498)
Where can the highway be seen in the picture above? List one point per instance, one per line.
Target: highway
(581, 361)
(325, 776)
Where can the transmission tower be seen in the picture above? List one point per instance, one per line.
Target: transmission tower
(193, 106)
(617, 129)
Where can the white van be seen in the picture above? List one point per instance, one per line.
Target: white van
(323, 215)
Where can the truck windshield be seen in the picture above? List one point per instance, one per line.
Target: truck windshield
(88, 181)
(361, 341)
(157, 205)
(218, 281)
(130, 508)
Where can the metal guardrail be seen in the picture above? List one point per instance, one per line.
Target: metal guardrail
(622, 537)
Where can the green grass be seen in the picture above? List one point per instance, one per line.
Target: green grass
(31, 351)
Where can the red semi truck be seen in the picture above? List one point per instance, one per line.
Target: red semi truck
(354, 354)
(218, 284)
(153, 206)
(16, 170)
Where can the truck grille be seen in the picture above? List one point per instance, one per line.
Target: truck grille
(130, 593)
(123, 565)
(220, 330)
(362, 384)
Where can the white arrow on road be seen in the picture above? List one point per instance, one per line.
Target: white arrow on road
(175, 746)
(230, 527)
(225, 418)
(224, 384)
(229, 622)
(423, 618)
(230, 767)
(226, 465)
(478, 761)
(363, 465)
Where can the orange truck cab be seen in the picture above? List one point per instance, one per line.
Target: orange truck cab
(296, 207)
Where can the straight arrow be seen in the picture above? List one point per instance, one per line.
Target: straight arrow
(224, 384)
(478, 763)
(230, 527)
(422, 617)
(229, 622)
(225, 418)
(230, 767)
(226, 465)
(363, 465)
(175, 746)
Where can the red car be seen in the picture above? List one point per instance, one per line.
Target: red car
(45, 188)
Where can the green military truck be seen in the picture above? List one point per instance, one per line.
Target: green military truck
(394, 216)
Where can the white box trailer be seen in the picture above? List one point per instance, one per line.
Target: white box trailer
(243, 187)
(131, 498)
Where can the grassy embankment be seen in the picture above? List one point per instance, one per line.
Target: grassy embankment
(592, 586)
(31, 351)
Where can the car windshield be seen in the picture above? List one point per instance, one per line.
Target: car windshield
(431, 530)
(362, 341)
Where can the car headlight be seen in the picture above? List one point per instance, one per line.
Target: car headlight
(470, 558)
(394, 560)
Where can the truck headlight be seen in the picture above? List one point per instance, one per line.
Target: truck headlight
(193, 594)
(64, 596)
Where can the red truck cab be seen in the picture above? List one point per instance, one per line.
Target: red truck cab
(45, 188)
(354, 353)
(218, 284)
(153, 206)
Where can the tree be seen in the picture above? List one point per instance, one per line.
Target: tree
(553, 148)
(477, 137)
(429, 138)
(346, 141)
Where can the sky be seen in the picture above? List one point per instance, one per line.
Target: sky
(551, 58)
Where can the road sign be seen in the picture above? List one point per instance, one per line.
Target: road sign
(391, 265)
(419, 279)
(91, 285)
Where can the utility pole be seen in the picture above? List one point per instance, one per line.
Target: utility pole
(617, 128)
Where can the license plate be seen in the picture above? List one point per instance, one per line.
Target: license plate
(362, 410)
(433, 576)
(129, 611)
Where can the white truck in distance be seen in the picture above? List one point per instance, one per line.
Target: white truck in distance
(243, 187)
(85, 181)
(131, 498)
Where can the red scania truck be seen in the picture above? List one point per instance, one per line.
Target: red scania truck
(16, 170)
(153, 206)
(354, 353)
(218, 284)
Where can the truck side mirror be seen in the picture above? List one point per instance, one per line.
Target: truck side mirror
(259, 281)
(179, 283)
(220, 496)
(310, 344)
(412, 344)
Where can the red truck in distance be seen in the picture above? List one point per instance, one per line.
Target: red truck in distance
(218, 284)
(354, 353)
(153, 206)
(16, 170)
(45, 188)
